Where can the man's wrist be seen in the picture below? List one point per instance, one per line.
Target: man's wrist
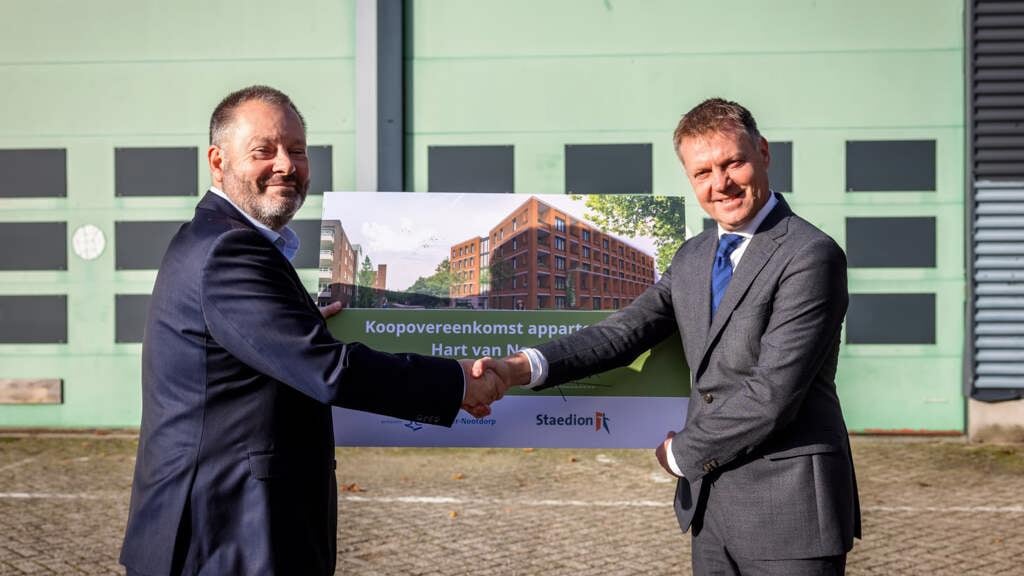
(530, 366)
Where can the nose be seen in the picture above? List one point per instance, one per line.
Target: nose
(720, 181)
(283, 162)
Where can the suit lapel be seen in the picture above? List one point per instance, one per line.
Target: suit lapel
(760, 249)
(211, 201)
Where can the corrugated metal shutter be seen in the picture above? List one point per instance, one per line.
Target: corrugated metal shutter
(996, 148)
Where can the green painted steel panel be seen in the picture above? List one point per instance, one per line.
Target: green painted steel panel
(529, 73)
(93, 77)
(539, 75)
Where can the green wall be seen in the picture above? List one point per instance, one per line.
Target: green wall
(91, 77)
(539, 75)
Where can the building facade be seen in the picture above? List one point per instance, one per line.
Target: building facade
(546, 259)
(339, 259)
(468, 265)
(889, 122)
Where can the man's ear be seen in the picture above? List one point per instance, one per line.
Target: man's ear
(215, 157)
(763, 149)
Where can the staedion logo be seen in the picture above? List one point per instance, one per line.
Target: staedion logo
(599, 421)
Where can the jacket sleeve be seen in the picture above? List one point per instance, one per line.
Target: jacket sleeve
(254, 310)
(802, 332)
(615, 341)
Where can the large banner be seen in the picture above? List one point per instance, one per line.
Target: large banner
(470, 275)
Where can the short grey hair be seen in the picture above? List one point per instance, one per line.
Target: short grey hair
(224, 114)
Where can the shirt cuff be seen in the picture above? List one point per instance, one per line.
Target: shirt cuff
(538, 367)
(671, 457)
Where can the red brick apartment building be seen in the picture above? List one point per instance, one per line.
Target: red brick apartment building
(542, 258)
(467, 260)
(339, 260)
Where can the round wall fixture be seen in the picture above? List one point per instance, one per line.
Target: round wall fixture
(88, 242)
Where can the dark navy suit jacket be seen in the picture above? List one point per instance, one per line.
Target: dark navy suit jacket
(235, 467)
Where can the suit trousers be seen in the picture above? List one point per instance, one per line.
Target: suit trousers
(711, 557)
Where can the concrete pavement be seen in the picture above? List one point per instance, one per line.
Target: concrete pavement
(930, 506)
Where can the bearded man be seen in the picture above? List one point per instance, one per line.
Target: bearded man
(235, 467)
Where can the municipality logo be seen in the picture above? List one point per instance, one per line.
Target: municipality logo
(600, 421)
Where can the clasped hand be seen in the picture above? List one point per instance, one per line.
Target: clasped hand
(487, 380)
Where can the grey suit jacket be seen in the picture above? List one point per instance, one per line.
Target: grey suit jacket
(764, 447)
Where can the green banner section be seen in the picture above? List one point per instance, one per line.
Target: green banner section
(659, 372)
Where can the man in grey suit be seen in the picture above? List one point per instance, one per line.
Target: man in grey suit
(766, 478)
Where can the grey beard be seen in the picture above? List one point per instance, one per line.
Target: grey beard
(273, 217)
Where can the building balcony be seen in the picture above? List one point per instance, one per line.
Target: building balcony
(325, 273)
(327, 256)
(327, 238)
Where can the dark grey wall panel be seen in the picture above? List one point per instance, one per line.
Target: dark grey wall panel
(890, 165)
(780, 170)
(34, 246)
(890, 242)
(308, 255)
(608, 169)
(891, 319)
(141, 245)
(156, 171)
(130, 313)
(995, 97)
(33, 319)
(470, 169)
(321, 169)
(33, 173)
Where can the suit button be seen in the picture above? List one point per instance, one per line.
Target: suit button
(708, 398)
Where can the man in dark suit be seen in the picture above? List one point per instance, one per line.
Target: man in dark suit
(235, 467)
(766, 478)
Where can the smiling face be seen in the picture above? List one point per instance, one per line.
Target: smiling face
(261, 162)
(729, 174)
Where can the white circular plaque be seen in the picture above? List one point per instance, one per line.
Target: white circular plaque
(88, 242)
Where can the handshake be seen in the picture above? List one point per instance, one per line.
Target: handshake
(487, 380)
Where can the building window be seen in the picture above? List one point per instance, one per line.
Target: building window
(560, 302)
(559, 263)
(585, 235)
(559, 243)
(597, 302)
(606, 259)
(560, 282)
(586, 251)
(559, 224)
(515, 224)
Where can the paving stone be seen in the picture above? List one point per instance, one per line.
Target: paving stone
(935, 507)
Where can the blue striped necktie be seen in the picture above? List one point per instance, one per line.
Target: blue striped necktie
(721, 273)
